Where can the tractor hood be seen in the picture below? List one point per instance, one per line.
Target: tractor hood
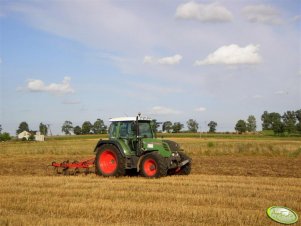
(152, 144)
(166, 147)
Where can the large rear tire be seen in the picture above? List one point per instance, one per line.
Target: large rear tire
(153, 166)
(109, 161)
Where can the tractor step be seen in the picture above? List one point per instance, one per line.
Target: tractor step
(72, 168)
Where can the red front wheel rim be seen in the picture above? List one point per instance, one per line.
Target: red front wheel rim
(107, 162)
(150, 167)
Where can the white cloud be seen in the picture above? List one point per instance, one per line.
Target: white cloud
(262, 14)
(281, 92)
(296, 18)
(232, 55)
(204, 12)
(201, 109)
(92, 23)
(257, 96)
(56, 88)
(159, 110)
(164, 60)
(149, 60)
(71, 102)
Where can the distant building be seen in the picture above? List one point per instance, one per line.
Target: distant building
(24, 134)
(39, 137)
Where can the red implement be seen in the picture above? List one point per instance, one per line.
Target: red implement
(75, 167)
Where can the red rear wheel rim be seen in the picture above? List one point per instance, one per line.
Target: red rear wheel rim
(107, 162)
(150, 167)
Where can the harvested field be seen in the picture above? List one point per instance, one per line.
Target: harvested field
(233, 182)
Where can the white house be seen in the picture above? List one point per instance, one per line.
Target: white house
(39, 137)
(24, 134)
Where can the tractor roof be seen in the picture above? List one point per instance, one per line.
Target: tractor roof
(123, 119)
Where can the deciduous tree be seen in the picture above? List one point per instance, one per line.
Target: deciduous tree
(289, 121)
(43, 129)
(241, 126)
(155, 125)
(298, 116)
(23, 127)
(77, 130)
(167, 126)
(251, 124)
(86, 127)
(177, 127)
(212, 126)
(67, 127)
(192, 125)
(99, 127)
(4, 136)
(265, 121)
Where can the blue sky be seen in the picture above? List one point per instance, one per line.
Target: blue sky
(171, 60)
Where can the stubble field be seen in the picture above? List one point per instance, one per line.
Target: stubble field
(233, 182)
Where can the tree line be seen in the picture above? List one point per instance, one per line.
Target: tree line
(289, 122)
(98, 127)
(192, 126)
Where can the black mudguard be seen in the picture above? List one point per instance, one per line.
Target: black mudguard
(111, 142)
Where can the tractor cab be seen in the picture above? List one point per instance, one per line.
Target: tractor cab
(131, 128)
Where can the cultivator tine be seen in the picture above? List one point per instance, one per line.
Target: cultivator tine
(72, 168)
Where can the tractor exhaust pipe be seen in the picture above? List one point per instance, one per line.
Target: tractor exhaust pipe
(138, 148)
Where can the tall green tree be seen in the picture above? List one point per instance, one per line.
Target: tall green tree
(298, 116)
(241, 126)
(275, 118)
(0, 128)
(43, 129)
(251, 124)
(270, 120)
(212, 126)
(167, 126)
(278, 127)
(155, 125)
(266, 125)
(192, 125)
(67, 127)
(99, 127)
(5, 136)
(87, 127)
(77, 130)
(177, 127)
(23, 127)
(289, 121)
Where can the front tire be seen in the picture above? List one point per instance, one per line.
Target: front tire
(109, 161)
(153, 166)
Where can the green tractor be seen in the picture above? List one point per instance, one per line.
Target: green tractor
(133, 146)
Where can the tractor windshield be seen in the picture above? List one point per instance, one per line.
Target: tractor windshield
(145, 130)
(127, 130)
